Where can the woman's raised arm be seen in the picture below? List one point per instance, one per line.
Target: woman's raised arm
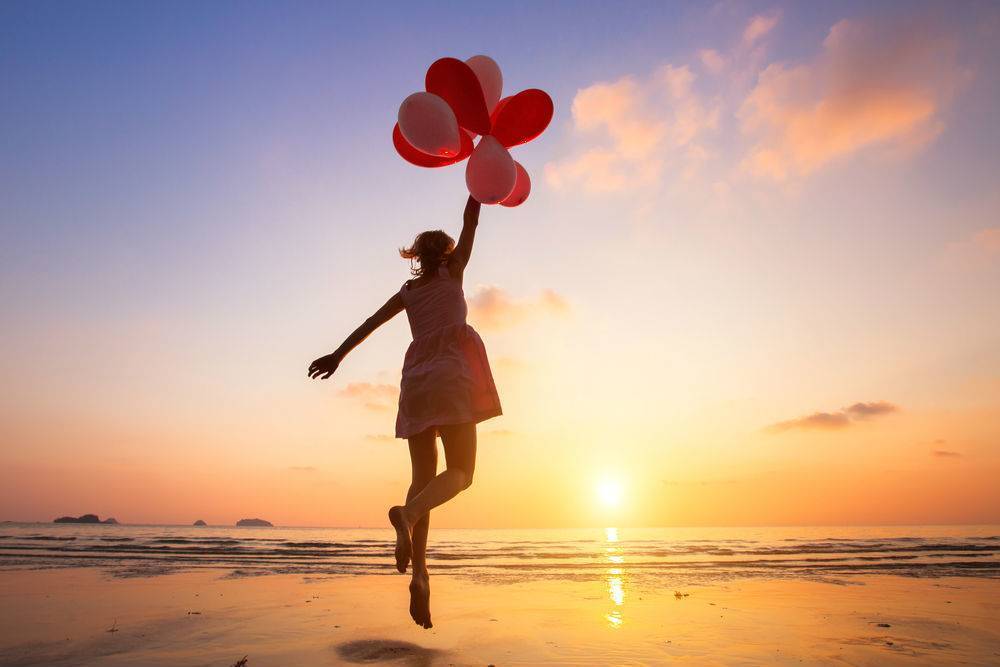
(460, 257)
(324, 367)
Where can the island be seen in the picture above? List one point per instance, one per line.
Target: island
(254, 522)
(199, 522)
(83, 518)
(111, 520)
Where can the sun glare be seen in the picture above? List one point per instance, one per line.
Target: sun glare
(610, 493)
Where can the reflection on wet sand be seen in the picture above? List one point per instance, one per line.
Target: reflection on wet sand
(616, 579)
(60, 618)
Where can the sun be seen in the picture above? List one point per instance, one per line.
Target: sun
(610, 493)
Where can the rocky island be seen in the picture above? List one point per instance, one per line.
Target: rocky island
(84, 518)
(199, 522)
(254, 522)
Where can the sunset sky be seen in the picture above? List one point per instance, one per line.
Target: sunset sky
(757, 280)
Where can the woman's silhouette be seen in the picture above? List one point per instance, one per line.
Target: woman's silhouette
(446, 388)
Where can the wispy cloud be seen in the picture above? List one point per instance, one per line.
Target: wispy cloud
(699, 482)
(712, 60)
(834, 421)
(979, 251)
(872, 85)
(493, 308)
(509, 365)
(377, 397)
(759, 26)
(749, 123)
(945, 454)
(302, 468)
(867, 410)
(630, 128)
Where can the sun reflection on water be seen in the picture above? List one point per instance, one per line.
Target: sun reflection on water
(615, 579)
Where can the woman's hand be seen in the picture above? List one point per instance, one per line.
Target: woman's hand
(324, 367)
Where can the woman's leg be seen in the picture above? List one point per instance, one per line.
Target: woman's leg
(460, 454)
(423, 464)
(423, 459)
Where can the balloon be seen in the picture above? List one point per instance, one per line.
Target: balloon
(522, 188)
(496, 111)
(414, 156)
(490, 174)
(521, 118)
(490, 79)
(429, 125)
(456, 83)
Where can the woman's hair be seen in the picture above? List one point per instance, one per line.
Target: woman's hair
(430, 249)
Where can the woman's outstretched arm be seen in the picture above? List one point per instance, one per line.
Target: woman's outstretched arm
(324, 367)
(459, 258)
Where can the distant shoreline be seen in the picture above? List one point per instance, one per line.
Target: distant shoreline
(831, 526)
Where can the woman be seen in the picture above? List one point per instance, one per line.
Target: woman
(446, 388)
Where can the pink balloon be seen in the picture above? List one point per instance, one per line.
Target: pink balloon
(490, 79)
(490, 174)
(429, 125)
(522, 188)
(413, 156)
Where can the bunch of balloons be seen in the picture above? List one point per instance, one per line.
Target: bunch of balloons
(463, 99)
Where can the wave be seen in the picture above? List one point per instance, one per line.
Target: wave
(515, 555)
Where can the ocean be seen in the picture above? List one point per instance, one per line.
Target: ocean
(671, 556)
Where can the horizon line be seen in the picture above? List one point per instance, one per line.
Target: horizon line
(592, 527)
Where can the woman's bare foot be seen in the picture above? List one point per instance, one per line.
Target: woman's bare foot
(404, 536)
(420, 599)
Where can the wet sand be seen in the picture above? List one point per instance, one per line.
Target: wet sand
(66, 617)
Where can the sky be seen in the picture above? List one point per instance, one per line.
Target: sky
(757, 281)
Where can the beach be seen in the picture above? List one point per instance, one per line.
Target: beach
(83, 616)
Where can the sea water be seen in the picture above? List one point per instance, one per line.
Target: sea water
(674, 555)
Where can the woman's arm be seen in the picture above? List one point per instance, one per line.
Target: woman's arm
(460, 257)
(324, 367)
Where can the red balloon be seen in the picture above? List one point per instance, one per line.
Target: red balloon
(496, 112)
(521, 118)
(522, 188)
(421, 159)
(455, 81)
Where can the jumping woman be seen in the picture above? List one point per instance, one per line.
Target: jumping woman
(446, 389)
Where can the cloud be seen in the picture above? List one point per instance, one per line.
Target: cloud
(712, 60)
(759, 26)
(866, 410)
(945, 454)
(835, 421)
(509, 365)
(872, 85)
(378, 397)
(825, 421)
(493, 308)
(302, 468)
(977, 252)
(699, 482)
(631, 128)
